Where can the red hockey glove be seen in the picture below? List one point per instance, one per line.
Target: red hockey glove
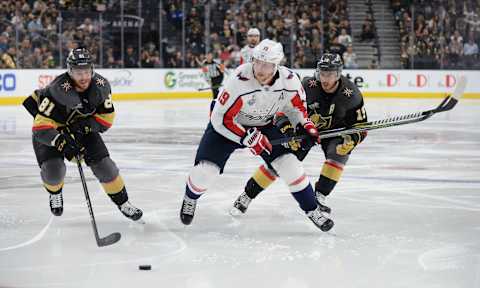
(312, 131)
(257, 142)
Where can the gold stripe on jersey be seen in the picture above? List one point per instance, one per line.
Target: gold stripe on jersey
(41, 122)
(105, 119)
(114, 186)
(331, 171)
(35, 96)
(263, 177)
(53, 188)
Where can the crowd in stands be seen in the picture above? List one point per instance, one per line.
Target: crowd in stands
(439, 33)
(39, 33)
(299, 25)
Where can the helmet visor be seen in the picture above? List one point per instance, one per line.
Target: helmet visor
(328, 74)
(263, 70)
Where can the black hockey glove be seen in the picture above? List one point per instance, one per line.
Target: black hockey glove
(82, 126)
(66, 145)
(284, 125)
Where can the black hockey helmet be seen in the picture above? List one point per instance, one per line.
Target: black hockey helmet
(329, 62)
(79, 58)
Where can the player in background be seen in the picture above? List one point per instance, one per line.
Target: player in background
(69, 115)
(333, 101)
(213, 72)
(243, 118)
(253, 38)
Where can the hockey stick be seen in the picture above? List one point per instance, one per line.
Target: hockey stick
(107, 240)
(204, 88)
(447, 104)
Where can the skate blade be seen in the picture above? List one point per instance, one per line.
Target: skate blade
(140, 221)
(234, 212)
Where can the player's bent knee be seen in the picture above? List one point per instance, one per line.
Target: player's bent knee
(105, 170)
(201, 176)
(290, 169)
(53, 171)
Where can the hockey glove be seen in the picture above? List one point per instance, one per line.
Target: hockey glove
(66, 145)
(82, 126)
(311, 131)
(284, 125)
(349, 142)
(257, 142)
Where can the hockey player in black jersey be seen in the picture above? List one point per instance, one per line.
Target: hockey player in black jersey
(333, 101)
(69, 115)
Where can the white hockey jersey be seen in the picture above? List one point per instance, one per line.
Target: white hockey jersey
(246, 54)
(243, 102)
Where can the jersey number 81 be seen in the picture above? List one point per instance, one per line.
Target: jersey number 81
(46, 107)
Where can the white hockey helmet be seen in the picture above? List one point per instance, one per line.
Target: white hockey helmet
(268, 51)
(253, 32)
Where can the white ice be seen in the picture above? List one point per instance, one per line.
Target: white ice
(406, 212)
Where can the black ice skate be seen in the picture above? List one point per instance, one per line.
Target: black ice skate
(321, 202)
(188, 210)
(240, 205)
(56, 203)
(320, 220)
(130, 211)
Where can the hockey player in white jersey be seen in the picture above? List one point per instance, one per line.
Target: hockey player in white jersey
(243, 117)
(253, 37)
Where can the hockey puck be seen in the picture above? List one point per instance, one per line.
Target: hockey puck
(145, 267)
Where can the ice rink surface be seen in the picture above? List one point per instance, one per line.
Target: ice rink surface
(406, 212)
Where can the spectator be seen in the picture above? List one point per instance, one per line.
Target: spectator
(131, 58)
(470, 52)
(3, 43)
(373, 64)
(367, 31)
(350, 58)
(470, 48)
(344, 38)
(9, 58)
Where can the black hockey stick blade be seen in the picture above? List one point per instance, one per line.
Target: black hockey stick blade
(450, 102)
(109, 240)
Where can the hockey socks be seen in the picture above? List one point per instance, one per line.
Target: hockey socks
(306, 198)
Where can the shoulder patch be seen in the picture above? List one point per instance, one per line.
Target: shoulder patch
(102, 86)
(100, 82)
(61, 90)
(66, 86)
(347, 92)
(312, 83)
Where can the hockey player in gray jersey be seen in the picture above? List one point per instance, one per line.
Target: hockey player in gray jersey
(69, 116)
(333, 101)
(242, 118)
